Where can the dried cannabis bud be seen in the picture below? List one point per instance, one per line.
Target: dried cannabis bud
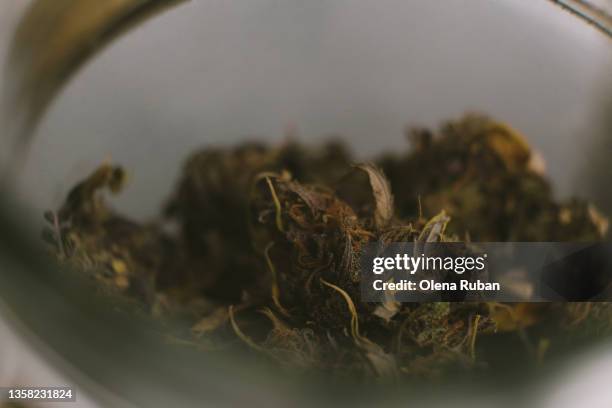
(269, 243)
(485, 176)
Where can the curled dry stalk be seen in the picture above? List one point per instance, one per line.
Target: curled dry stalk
(383, 364)
(275, 289)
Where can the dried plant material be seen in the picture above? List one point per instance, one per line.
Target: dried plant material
(473, 335)
(509, 317)
(240, 334)
(433, 231)
(275, 290)
(352, 310)
(267, 253)
(388, 308)
(601, 222)
(381, 191)
(211, 322)
(383, 364)
(296, 348)
(478, 171)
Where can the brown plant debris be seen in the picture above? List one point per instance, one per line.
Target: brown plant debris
(269, 239)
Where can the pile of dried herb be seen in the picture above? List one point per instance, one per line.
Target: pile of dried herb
(266, 242)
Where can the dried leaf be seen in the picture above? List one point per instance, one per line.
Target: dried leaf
(381, 190)
(435, 227)
(387, 309)
(211, 322)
